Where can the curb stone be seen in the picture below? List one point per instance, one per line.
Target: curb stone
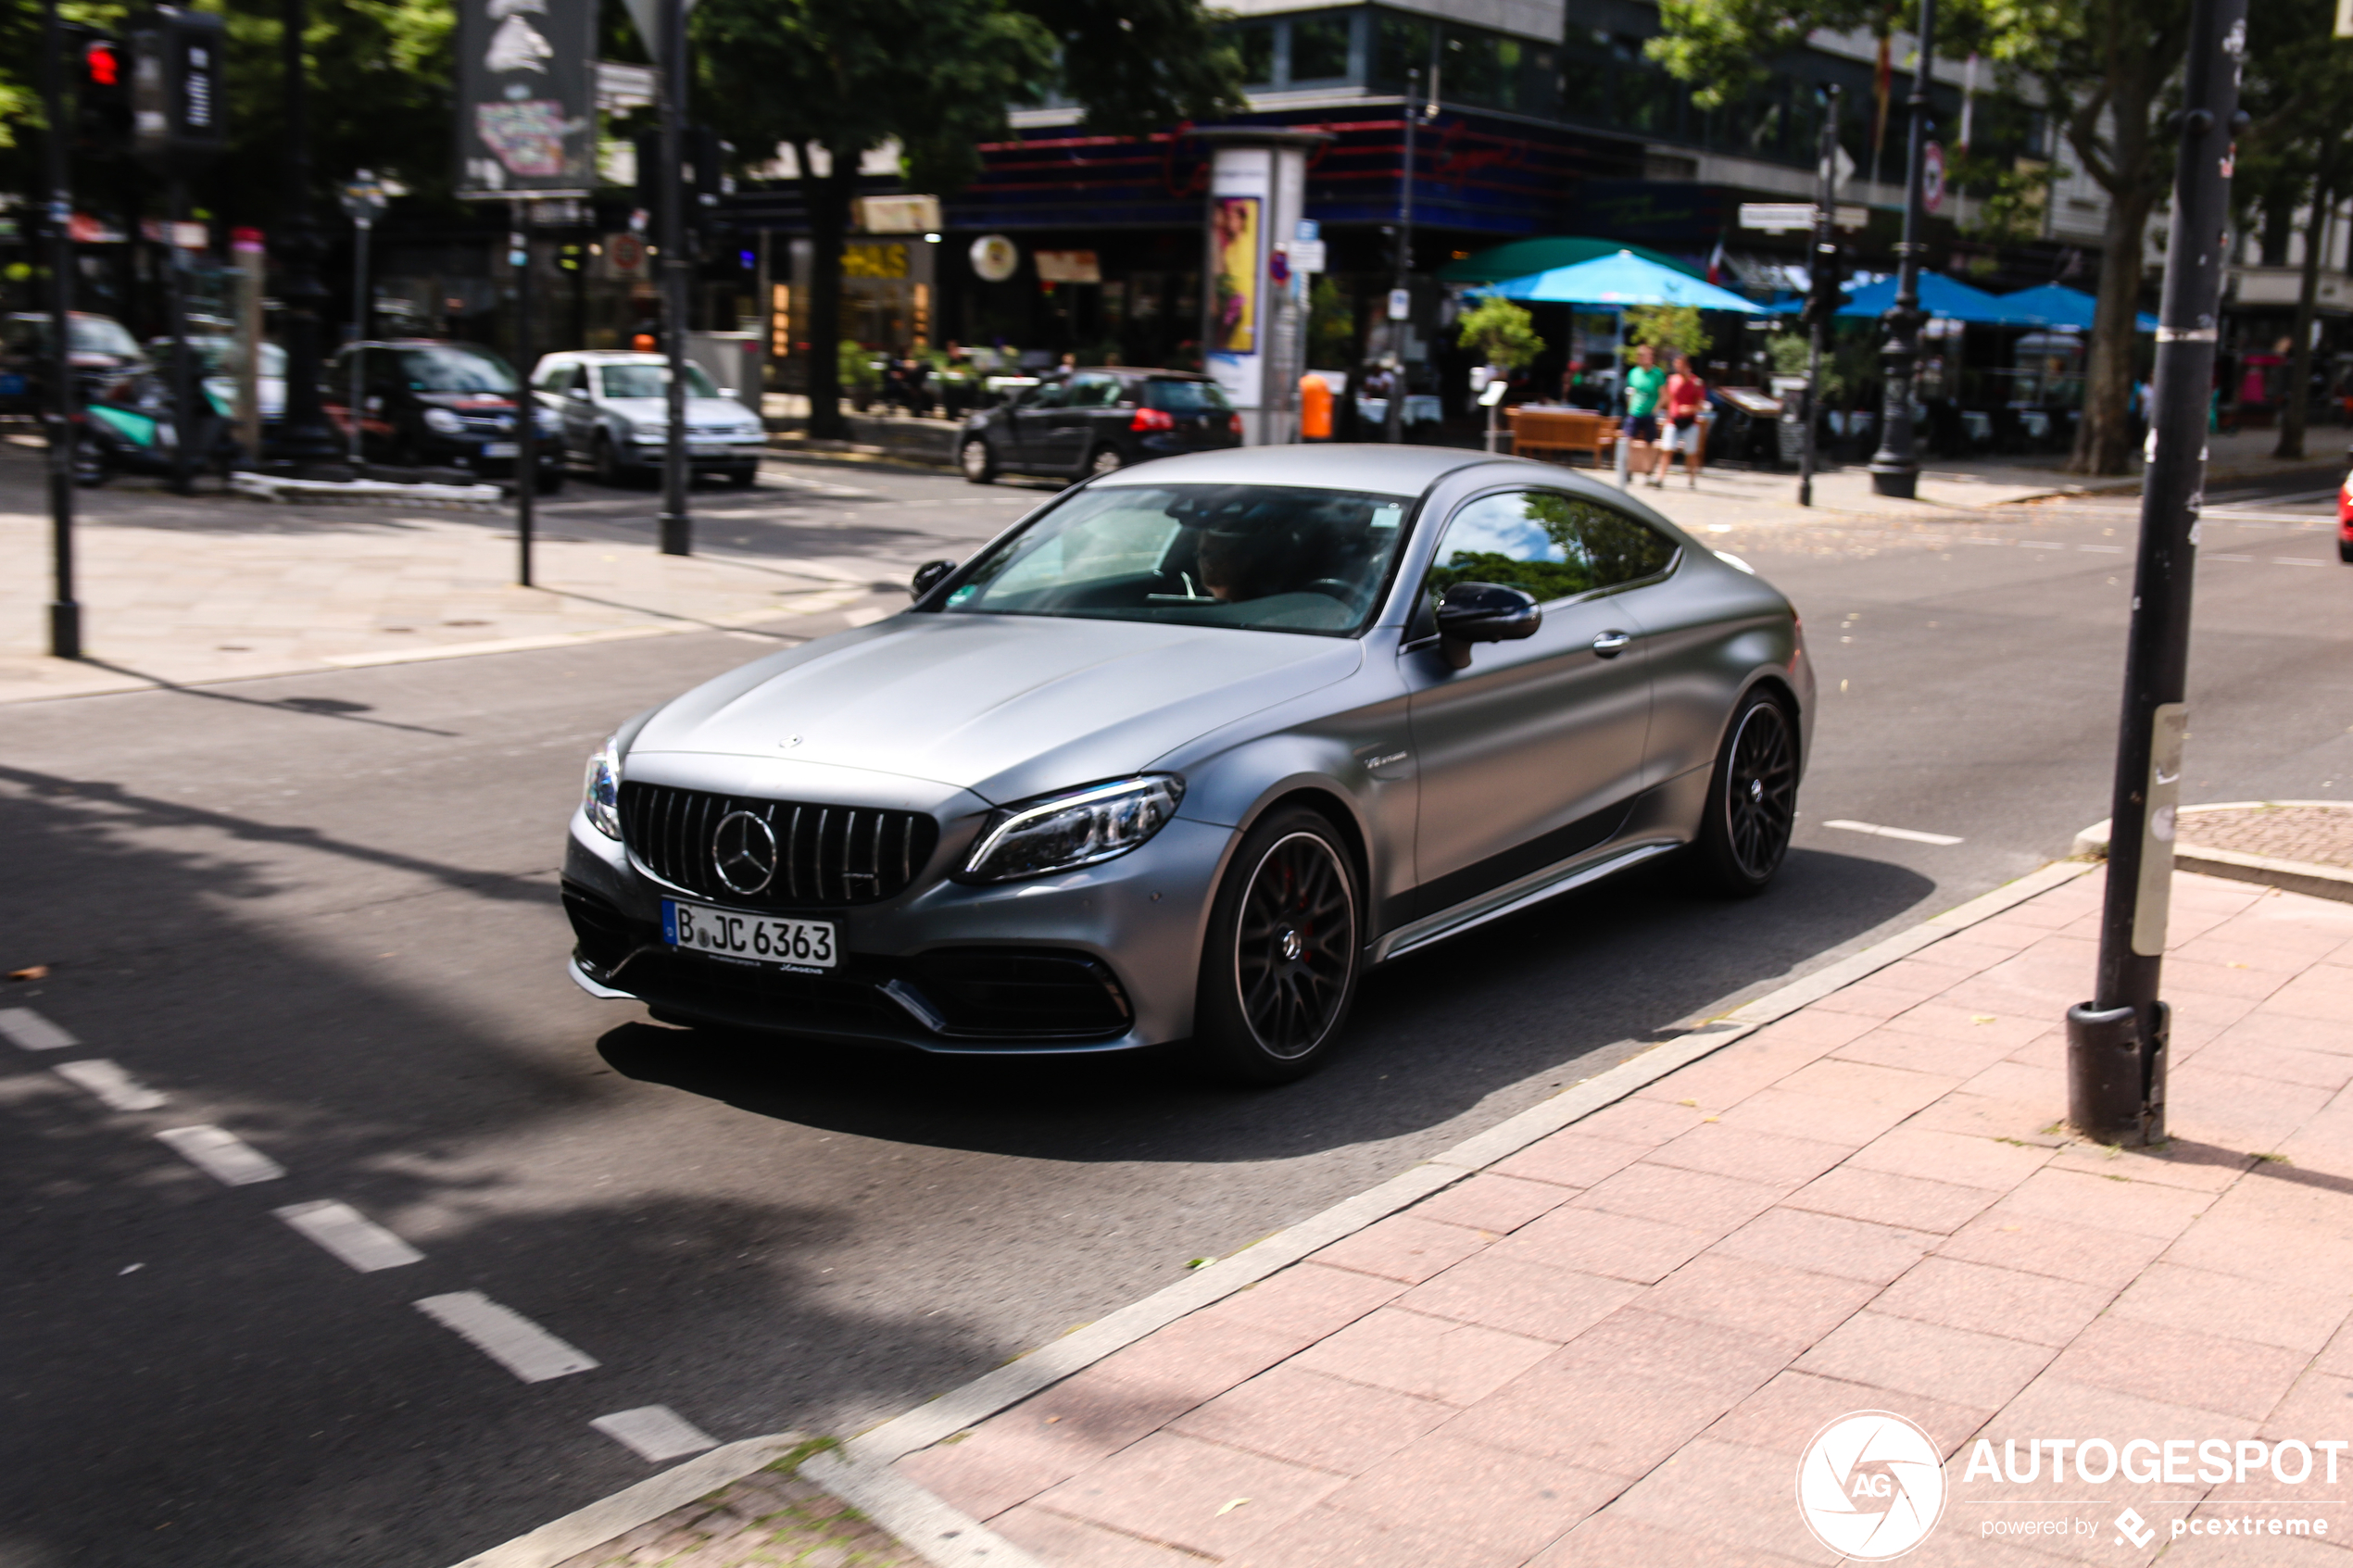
(2293, 876)
(859, 1471)
(942, 1535)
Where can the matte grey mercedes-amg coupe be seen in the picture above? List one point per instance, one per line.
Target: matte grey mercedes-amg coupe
(1185, 751)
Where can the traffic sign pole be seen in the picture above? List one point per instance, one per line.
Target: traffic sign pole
(1825, 248)
(2117, 1043)
(64, 615)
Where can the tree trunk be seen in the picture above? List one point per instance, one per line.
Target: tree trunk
(828, 199)
(2104, 439)
(2297, 394)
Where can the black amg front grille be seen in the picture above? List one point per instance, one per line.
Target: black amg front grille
(826, 855)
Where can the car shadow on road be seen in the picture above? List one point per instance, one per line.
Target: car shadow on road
(1441, 1044)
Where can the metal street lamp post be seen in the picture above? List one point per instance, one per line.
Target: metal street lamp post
(1895, 469)
(1825, 251)
(305, 441)
(1393, 416)
(64, 615)
(2117, 1043)
(363, 198)
(677, 527)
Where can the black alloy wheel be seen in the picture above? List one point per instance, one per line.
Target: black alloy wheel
(1752, 802)
(1280, 967)
(604, 463)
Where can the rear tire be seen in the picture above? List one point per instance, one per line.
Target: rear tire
(1278, 970)
(1752, 799)
(743, 479)
(2344, 551)
(604, 463)
(1106, 460)
(977, 461)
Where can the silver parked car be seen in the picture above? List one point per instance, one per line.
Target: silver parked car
(1184, 752)
(616, 416)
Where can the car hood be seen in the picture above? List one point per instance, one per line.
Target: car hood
(1005, 705)
(700, 411)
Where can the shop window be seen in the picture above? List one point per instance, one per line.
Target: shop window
(1402, 44)
(1319, 45)
(1255, 43)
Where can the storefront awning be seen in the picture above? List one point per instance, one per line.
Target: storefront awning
(1522, 258)
(1615, 282)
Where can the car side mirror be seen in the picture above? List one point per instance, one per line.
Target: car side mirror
(929, 576)
(1483, 612)
(579, 391)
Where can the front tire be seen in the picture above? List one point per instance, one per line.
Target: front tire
(1752, 799)
(604, 463)
(1279, 972)
(1105, 460)
(2344, 551)
(977, 461)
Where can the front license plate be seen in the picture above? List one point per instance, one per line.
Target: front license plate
(498, 448)
(705, 449)
(794, 944)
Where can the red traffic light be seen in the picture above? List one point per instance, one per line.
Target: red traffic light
(106, 65)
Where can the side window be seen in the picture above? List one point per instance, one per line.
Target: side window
(1551, 546)
(1094, 392)
(1053, 395)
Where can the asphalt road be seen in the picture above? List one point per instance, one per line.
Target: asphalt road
(320, 912)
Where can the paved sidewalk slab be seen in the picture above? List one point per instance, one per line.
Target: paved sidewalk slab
(1616, 1345)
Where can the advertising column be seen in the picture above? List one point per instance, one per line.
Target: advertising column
(1251, 337)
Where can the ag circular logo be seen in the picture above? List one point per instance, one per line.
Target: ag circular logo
(743, 852)
(1871, 1486)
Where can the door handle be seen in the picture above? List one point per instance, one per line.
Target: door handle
(1609, 644)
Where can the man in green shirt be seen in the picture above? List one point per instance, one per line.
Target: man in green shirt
(1643, 384)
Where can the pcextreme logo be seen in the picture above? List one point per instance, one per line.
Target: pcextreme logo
(1871, 1486)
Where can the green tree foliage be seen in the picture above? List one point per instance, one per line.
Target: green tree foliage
(835, 78)
(2103, 70)
(1331, 326)
(1591, 546)
(1670, 328)
(1502, 332)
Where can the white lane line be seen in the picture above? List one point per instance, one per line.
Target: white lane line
(506, 1336)
(2103, 549)
(31, 1032)
(2293, 561)
(225, 1157)
(113, 1088)
(349, 1235)
(1913, 835)
(2221, 557)
(654, 1432)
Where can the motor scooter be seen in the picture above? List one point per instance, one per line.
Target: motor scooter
(130, 428)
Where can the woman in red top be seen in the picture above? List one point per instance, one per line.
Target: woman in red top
(1684, 407)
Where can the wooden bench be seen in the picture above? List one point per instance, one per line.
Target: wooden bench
(1539, 430)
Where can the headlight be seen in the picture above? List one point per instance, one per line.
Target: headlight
(600, 791)
(1069, 831)
(548, 420)
(444, 422)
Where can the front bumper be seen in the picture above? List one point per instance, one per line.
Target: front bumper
(724, 457)
(1102, 959)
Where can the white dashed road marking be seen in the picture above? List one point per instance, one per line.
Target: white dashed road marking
(1912, 835)
(349, 1235)
(654, 1432)
(506, 1337)
(225, 1157)
(113, 1088)
(31, 1032)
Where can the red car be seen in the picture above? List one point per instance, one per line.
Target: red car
(2345, 520)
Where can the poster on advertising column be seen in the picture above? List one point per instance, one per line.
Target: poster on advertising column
(1240, 187)
(526, 98)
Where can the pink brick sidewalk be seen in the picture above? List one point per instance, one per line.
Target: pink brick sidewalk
(1612, 1347)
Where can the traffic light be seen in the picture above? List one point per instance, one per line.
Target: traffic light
(1825, 292)
(178, 121)
(702, 164)
(102, 92)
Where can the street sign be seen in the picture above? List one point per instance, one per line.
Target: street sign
(363, 198)
(1307, 256)
(1931, 177)
(1848, 217)
(1401, 305)
(1779, 218)
(1842, 168)
(2345, 18)
(1308, 229)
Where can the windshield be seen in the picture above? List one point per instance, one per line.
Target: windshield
(1186, 397)
(101, 334)
(454, 369)
(225, 356)
(653, 381)
(1266, 557)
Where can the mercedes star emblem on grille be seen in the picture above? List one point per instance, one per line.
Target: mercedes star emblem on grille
(743, 852)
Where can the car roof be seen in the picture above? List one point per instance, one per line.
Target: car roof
(606, 357)
(1395, 470)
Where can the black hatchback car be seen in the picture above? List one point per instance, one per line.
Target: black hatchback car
(430, 404)
(1095, 420)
